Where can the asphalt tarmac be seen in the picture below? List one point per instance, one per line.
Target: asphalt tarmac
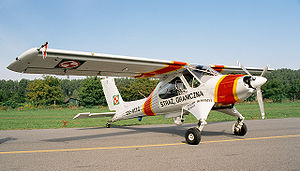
(272, 144)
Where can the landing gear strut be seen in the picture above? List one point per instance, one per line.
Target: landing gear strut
(239, 128)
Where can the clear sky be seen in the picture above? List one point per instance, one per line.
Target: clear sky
(255, 32)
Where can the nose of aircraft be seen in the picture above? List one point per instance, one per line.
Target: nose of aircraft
(258, 81)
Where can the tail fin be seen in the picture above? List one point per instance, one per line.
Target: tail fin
(112, 95)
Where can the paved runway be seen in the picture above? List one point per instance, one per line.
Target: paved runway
(269, 145)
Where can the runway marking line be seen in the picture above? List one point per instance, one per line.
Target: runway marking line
(144, 146)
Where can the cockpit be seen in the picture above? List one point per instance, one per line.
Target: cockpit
(194, 76)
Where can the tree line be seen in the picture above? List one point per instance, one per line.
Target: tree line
(282, 84)
(54, 91)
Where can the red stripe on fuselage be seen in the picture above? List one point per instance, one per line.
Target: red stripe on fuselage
(147, 107)
(225, 90)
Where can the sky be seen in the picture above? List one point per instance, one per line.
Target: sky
(255, 32)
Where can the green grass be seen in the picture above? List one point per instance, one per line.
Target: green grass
(53, 118)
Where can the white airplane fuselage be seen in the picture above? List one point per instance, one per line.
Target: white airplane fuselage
(221, 90)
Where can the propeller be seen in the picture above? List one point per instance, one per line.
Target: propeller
(260, 102)
(264, 71)
(256, 82)
(244, 69)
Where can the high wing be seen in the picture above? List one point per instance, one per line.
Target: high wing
(66, 62)
(238, 70)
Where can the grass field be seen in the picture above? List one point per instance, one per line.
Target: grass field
(53, 118)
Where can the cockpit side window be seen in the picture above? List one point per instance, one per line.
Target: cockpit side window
(172, 89)
(193, 82)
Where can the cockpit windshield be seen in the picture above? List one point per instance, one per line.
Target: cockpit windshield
(203, 73)
(204, 70)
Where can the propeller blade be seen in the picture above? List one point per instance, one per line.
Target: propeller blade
(244, 69)
(264, 71)
(260, 102)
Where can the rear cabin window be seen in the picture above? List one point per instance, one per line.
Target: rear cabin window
(172, 89)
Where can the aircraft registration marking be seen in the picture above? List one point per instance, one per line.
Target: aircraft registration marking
(133, 111)
(145, 146)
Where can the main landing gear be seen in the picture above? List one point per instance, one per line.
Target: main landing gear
(239, 128)
(193, 135)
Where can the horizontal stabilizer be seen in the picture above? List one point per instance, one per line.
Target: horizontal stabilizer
(94, 115)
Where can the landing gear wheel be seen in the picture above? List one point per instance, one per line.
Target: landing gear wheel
(193, 136)
(240, 131)
(107, 125)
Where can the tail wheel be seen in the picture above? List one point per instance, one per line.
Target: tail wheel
(193, 136)
(107, 125)
(240, 131)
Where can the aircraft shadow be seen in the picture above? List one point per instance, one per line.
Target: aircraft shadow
(173, 130)
(3, 140)
(91, 128)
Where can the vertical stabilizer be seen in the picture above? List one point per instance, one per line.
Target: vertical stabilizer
(112, 95)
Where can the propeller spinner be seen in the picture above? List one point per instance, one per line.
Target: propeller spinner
(256, 82)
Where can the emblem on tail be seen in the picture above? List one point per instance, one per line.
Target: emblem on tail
(116, 99)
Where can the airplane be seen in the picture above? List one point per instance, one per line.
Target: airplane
(183, 88)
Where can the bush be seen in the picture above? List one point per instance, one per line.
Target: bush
(91, 93)
(45, 91)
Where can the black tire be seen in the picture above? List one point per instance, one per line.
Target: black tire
(242, 131)
(107, 125)
(193, 136)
